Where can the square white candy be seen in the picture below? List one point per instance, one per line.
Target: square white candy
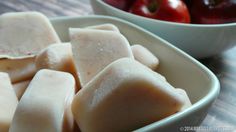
(18, 69)
(144, 56)
(95, 49)
(44, 105)
(125, 96)
(58, 57)
(24, 34)
(8, 102)
(106, 26)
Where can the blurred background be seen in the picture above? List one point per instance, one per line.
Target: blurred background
(50, 8)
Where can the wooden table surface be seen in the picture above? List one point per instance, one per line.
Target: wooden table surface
(222, 112)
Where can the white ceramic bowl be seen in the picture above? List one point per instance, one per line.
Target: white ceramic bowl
(198, 40)
(180, 69)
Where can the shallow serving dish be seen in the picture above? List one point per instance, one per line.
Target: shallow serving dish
(198, 40)
(180, 69)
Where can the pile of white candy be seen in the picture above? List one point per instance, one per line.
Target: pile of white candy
(96, 79)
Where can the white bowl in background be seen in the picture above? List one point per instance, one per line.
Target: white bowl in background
(198, 40)
(180, 69)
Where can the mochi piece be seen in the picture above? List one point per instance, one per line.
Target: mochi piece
(18, 69)
(125, 96)
(24, 34)
(44, 105)
(187, 102)
(144, 56)
(20, 88)
(8, 102)
(106, 26)
(58, 57)
(94, 49)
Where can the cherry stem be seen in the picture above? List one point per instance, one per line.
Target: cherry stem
(152, 7)
(214, 2)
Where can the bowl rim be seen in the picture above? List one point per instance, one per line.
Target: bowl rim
(162, 21)
(202, 102)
